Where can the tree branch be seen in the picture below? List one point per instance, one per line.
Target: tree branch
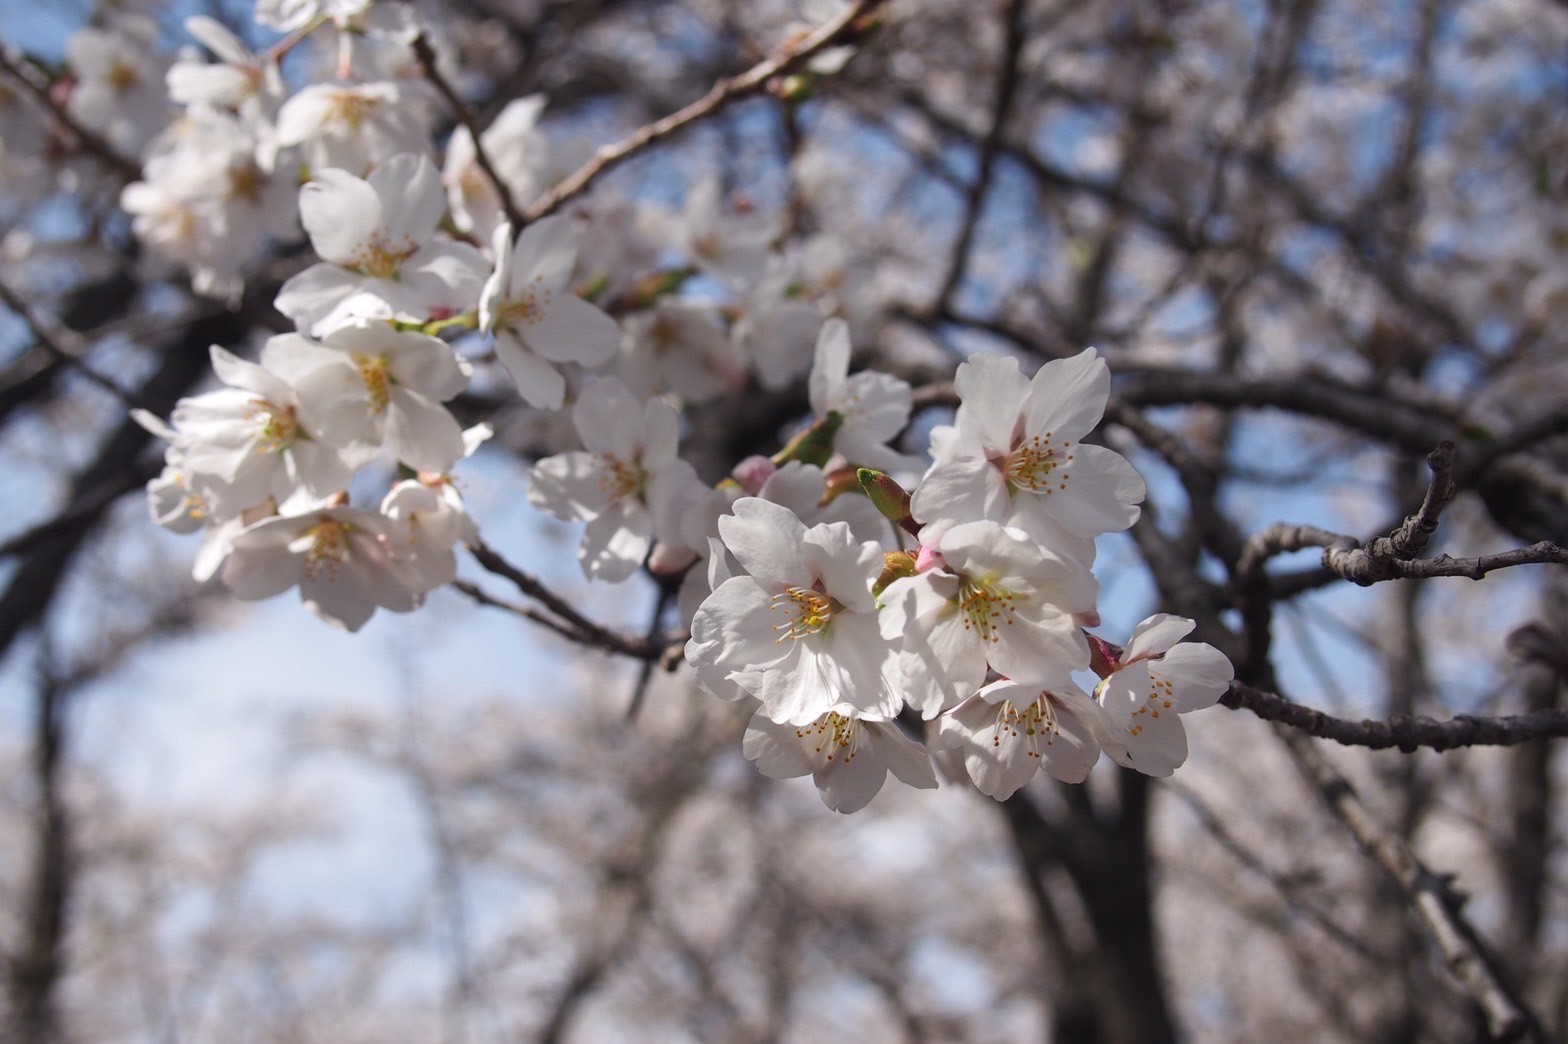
(426, 57)
(1432, 896)
(570, 624)
(784, 60)
(17, 68)
(1404, 732)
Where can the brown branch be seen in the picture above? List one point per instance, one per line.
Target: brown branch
(787, 58)
(1392, 557)
(425, 55)
(1404, 732)
(1431, 895)
(64, 344)
(570, 623)
(19, 69)
(484, 598)
(974, 201)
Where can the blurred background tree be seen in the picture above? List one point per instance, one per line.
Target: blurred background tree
(1320, 242)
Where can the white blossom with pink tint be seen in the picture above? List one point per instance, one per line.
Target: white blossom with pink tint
(1015, 452)
(627, 483)
(538, 323)
(367, 385)
(381, 255)
(999, 602)
(799, 630)
(338, 557)
(848, 758)
(1008, 731)
(1156, 678)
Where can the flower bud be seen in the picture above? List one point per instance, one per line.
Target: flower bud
(889, 497)
(752, 473)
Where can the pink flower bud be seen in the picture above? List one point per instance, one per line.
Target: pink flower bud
(752, 472)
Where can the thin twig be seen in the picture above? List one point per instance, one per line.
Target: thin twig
(784, 60)
(425, 55)
(18, 69)
(576, 626)
(1405, 733)
(63, 344)
(550, 623)
(1001, 107)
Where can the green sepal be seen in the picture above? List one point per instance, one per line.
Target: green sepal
(815, 444)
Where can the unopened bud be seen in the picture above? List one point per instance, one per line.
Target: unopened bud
(837, 481)
(929, 558)
(793, 89)
(753, 473)
(889, 498)
(1103, 656)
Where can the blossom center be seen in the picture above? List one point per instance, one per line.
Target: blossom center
(279, 428)
(809, 611)
(1034, 721)
(245, 183)
(1038, 463)
(529, 306)
(619, 479)
(328, 547)
(836, 736)
(986, 608)
(382, 256)
(1161, 696)
(378, 382)
(349, 108)
(123, 76)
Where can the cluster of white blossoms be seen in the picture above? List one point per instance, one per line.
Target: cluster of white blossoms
(853, 592)
(976, 627)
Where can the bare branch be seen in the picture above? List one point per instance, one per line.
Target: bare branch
(20, 70)
(1432, 896)
(63, 344)
(787, 58)
(572, 624)
(974, 202)
(1404, 732)
(426, 57)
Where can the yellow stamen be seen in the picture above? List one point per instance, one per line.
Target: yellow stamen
(809, 611)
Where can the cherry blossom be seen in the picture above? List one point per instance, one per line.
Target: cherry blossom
(355, 126)
(1155, 679)
(381, 257)
(1000, 602)
(1015, 452)
(367, 385)
(627, 484)
(537, 321)
(338, 557)
(799, 630)
(733, 248)
(681, 347)
(874, 406)
(237, 446)
(1007, 731)
(119, 90)
(848, 758)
